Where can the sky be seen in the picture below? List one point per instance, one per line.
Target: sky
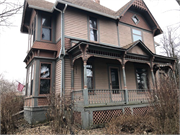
(13, 44)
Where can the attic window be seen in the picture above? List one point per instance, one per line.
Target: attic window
(135, 19)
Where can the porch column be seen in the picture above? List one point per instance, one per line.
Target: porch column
(124, 80)
(153, 78)
(72, 79)
(85, 90)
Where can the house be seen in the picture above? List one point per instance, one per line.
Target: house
(104, 60)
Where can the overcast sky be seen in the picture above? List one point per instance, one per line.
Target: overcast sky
(13, 44)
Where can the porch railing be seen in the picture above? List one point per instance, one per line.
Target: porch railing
(106, 96)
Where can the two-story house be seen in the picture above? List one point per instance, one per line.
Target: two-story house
(102, 59)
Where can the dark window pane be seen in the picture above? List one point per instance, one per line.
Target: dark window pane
(93, 35)
(114, 78)
(46, 34)
(46, 21)
(31, 87)
(45, 86)
(142, 78)
(45, 71)
(89, 83)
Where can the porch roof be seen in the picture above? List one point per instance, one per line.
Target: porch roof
(120, 50)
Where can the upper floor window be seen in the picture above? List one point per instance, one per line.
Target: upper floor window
(137, 35)
(93, 29)
(32, 32)
(45, 78)
(142, 78)
(46, 28)
(135, 19)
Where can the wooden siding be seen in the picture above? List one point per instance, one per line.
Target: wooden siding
(58, 47)
(67, 43)
(28, 102)
(137, 50)
(78, 74)
(108, 32)
(101, 74)
(149, 40)
(130, 76)
(58, 27)
(42, 101)
(67, 71)
(75, 24)
(124, 35)
(45, 46)
(58, 79)
(127, 18)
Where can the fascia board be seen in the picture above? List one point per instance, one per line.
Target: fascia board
(42, 9)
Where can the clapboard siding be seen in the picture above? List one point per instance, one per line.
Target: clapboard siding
(67, 71)
(108, 32)
(78, 74)
(58, 80)
(58, 27)
(75, 24)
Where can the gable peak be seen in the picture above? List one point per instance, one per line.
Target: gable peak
(140, 4)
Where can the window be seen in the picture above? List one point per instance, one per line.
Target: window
(46, 28)
(89, 76)
(136, 35)
(32, 32)
(45, 78)
(142, 78)
(93, 28)
(29, 84)
(135, 19)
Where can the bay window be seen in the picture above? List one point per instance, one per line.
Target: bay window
(46, 28)
(45, 78)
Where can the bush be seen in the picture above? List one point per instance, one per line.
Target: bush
(165, 107)
(59, 114)
(10, 105)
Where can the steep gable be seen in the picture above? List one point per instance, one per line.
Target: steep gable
(147, 21)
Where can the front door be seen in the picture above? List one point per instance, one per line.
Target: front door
(114, 79)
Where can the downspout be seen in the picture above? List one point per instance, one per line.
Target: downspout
(62, 47)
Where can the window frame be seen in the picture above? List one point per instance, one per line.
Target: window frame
(89, 18)
(141, 91)
(32, 33)
(135, 16)
(136, 34)
(45, 78)
(47, 27)
(29, 79)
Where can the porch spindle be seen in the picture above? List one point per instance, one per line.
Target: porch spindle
(85, 91)
(125, 87)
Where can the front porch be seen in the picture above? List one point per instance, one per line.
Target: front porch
(113, 80)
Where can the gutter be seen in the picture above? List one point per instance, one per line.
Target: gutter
(62, 48)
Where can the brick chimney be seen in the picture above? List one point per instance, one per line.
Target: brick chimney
(97, 1)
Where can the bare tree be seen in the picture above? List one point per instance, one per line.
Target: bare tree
(7, 10)
(171, 45)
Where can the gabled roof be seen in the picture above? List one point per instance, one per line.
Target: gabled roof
(140, 44)
(89, 5)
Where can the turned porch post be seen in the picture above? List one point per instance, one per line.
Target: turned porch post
(153, 79)
(125, 86)
(85, 90)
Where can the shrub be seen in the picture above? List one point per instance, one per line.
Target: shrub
(10, 105)
(59, 114)
(165, 107)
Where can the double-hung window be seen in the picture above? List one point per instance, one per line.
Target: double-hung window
(46, 28)
(32, 32)
(142, 78)
(89, 76)
(93, 29)
(137, 35)
(30, 76)
(45, 78)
